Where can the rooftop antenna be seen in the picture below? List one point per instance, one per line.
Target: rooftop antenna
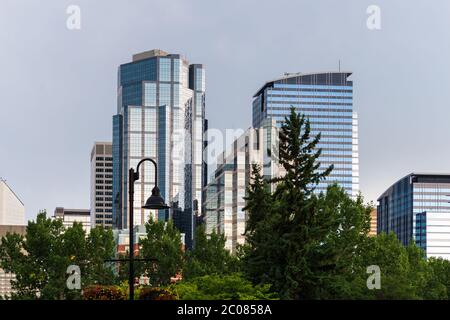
(339, 65)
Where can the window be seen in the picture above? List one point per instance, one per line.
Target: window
(164, 69)
(150, 119)
(135, 145)
(200, 79)
(150, 94)
(164, 94)
(150, 145)
(176, 70)
(135, 121)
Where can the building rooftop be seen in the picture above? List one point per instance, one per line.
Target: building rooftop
(149, 54)
(59, 211)
(421, 177)
(288, 75)
(4, 181)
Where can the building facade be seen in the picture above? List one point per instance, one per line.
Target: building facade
(69, 216)
(373, 223)
(417, 208)
(327, 100)
(224, 195)
(5, 278)
(101, 184)
(12, 220)
(12, 209)
(160, 115)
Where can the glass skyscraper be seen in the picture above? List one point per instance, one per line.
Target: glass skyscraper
(417, 208)
(327, 100)
(161, 115)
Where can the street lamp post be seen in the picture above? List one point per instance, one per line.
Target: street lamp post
(155, 201)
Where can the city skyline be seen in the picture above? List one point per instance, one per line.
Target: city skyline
(75, 82)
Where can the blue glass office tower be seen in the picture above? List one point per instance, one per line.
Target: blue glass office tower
(161, 115)
(327, 99)
(417, 208)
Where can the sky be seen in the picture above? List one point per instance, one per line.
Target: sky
(58, 86)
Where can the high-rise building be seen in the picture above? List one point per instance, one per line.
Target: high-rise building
(327, 100)
(12, 209)
(101, 184)
(417, 208)
(160, 115)
(69, 216)
(224, 195)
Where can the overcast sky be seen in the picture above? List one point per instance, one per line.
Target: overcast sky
(58, 86)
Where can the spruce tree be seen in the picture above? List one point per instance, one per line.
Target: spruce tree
(294, 235)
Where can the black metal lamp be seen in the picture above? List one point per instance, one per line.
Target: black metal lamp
(155, 201)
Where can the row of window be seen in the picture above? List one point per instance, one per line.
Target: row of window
(300, 99)
(101, 193)
(312, 86)
(103, 199)
(107, 187)
(103, 181)
(101, 176)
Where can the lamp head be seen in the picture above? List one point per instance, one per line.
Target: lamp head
(155, 201)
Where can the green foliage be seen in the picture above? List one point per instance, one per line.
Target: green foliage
(438, 280)
(310, 246)
(209, 256)
(101, 246)
(405, 273)
(228, 287)
(163, 243)
(40, 259)
(298, 156)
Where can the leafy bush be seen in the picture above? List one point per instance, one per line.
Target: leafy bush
(103, 293)
(155, 293)
(227, 287)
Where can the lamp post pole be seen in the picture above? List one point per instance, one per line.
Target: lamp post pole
(131, 227)
(154, 202)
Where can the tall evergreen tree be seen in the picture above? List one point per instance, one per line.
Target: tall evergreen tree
(298, 241)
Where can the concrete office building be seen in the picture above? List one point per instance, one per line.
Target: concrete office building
(69, 216)
(160, 115)
(12, 209)
(224, 195)
(12, 220)
(101, 184)
(6, 278)
(327, 100)
(417, 208)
